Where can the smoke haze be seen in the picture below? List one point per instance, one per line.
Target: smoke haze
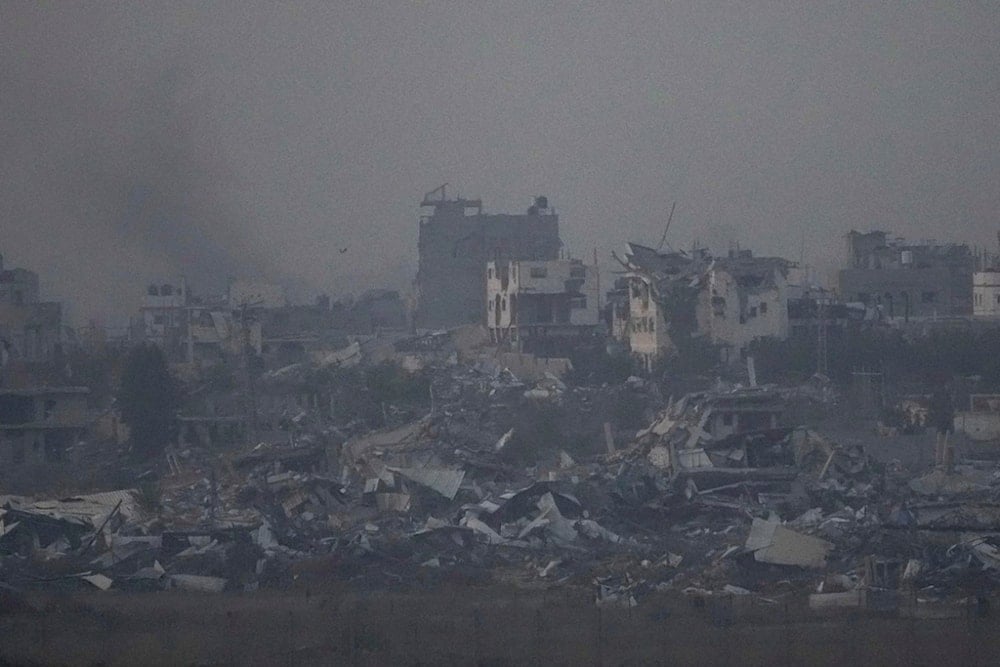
(147, 141)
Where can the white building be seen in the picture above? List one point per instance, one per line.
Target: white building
(538, 306)
(727, 301)
(986, 293)
(742, 299)
(164, 313)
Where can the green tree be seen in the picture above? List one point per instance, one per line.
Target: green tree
(149, 397)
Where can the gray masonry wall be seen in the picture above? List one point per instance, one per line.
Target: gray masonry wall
(454, 249)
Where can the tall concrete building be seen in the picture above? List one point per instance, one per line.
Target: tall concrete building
(457, 240)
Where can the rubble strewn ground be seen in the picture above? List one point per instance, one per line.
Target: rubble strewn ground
(538, 486)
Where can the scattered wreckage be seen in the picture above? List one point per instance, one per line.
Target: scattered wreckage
(714, 497)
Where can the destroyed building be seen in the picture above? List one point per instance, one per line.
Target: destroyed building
(727, 302)
(540, 307)
(905, 280)
(39, 425)
(31, 330)
(455, 242)
(986, 293)
(256, 294)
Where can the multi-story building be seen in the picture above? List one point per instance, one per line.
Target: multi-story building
(39, 425)
(30, 330)
(458, 238)
(539, 306)
(728, 301)
(986, 293)
(902, 280)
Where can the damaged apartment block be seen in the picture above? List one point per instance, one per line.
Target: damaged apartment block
(727, 302)
(541, 307)
(39, 426)
(458, 239)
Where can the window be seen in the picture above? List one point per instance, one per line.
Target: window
(539, 272)
(153, 290)
(489, 274)
(157, 319)
(490, 305)
(928, 297)
(578, 272)
(577, 302)
(863, 297)
(763, 309)
(503, 304)
(752, 312)
(652, 325)
(166, 290)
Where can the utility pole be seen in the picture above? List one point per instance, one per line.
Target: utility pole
(822, 366)
(251, 390)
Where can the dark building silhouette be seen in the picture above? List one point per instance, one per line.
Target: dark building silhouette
(457, 240)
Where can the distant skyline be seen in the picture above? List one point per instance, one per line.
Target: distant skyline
(145, 141)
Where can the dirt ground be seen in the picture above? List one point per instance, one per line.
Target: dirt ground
(463, 625)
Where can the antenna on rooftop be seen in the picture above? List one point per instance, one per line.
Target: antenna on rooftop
(665, 229)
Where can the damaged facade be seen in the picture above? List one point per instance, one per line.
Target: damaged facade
(903, 280)
(31, 330)
(457, 240)
(39, 426)
(727, 302)
(541, 307)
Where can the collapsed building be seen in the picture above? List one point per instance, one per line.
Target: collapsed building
(727, 302)
(457, 240)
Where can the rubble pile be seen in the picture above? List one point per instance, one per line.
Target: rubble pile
(713, 497)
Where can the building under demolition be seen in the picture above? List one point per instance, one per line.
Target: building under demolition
(907, 280)
(457, 240)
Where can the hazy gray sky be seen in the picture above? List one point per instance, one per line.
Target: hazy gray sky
(142, 141)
